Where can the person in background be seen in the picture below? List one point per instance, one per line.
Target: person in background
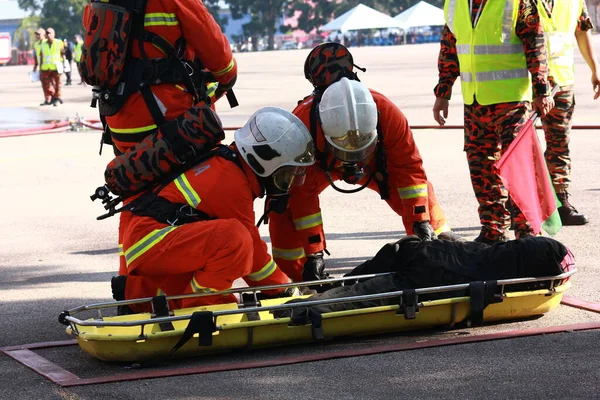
(563, 22)
(498, 50)
(40, 36)
(77, 48)
(69, 59)
(52, 56)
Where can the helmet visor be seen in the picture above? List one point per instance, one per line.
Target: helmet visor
(353, 146)
(308, 156)
(287, 176)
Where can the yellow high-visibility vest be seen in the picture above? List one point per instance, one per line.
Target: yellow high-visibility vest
(77, 51)
(51, 55)
(37, 48)
(493, 68)
(559, 31)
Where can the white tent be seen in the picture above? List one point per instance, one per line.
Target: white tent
(361, 17)
(421, 14)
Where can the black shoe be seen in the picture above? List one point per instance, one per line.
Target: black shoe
(569, 216)
(117, 284)
(46, 103)
(56, 100)
(487, 238)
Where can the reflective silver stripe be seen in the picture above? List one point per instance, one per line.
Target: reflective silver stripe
(507, 24)
(187, 191)
(499, 49)
(451, 12)
(501, 75)
(466, 77)
(463, 49)
(564, 60)
(142, 246)
(308, 221)
(264, 272)
(289, 254)
(412, 192)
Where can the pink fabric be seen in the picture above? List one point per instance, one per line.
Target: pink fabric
(524, 173)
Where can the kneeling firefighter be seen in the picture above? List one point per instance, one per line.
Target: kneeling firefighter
(197, 234)
(362, 138)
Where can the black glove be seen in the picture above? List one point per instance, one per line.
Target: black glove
(224, 87)
(313, 267)
(424, 231)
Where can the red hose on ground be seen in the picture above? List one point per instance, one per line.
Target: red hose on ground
(53, 125)
(35, 132)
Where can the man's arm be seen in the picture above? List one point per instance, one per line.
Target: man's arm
(448, 67)
(204, 36)
(584, 42)
(529, 29)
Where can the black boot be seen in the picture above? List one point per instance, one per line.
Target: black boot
(117, 284)
(568, 214)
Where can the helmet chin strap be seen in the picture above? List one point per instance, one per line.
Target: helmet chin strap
(350, 176)
(276, 200)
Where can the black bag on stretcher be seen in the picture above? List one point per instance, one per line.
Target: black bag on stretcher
(418, 264)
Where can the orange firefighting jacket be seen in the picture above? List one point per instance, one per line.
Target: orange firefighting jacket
(173, 19)
(407, 177)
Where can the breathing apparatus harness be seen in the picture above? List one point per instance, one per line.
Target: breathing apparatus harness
(151, 204)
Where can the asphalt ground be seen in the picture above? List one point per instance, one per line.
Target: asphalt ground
(55, 255)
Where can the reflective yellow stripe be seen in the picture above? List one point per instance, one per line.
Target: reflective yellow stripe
(156, 19)
(226, 69)
(289, 254)
(180, 88)
(443, 228)
(308, 222)
(187, 191)
(121, 252)
(142, 246)
(265, 271)
(211, 88)
(159, 292)
(411, 192)
(197, 288)
(133, 130)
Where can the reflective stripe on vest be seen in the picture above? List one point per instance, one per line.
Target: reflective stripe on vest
(188, 192)
(133, 130)
(309, 221)
(559, 31)
(493, 67)
(146, 243)
(160, 19)
(197, 288)
(264, 272)
(51, 55)
(413, 192)
(289, 254)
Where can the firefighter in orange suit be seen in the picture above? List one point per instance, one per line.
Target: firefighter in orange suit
(204, 39)
(383, 157)
(197, 234)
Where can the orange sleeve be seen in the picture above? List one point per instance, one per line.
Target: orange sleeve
(407, 177)
(204, 36)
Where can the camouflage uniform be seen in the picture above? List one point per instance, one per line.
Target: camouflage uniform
(490, 129)
(557, 128)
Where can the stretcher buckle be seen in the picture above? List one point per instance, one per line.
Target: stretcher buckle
(409, 305)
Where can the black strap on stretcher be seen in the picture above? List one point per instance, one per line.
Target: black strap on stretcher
(160, 308)
(481, 295)
(201, 323)
(409, 305)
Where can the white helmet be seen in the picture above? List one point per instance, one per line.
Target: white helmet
(274, 138)
(348, 117)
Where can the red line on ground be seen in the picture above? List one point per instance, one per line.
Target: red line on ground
(64, 378)
(581, 304)
(41, 345)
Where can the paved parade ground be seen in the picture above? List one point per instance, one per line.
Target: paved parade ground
(55, 255)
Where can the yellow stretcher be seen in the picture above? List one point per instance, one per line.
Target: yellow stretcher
(221, 328)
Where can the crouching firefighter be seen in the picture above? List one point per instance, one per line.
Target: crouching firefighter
(197, 233)
(362, 138)
(149, 62)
